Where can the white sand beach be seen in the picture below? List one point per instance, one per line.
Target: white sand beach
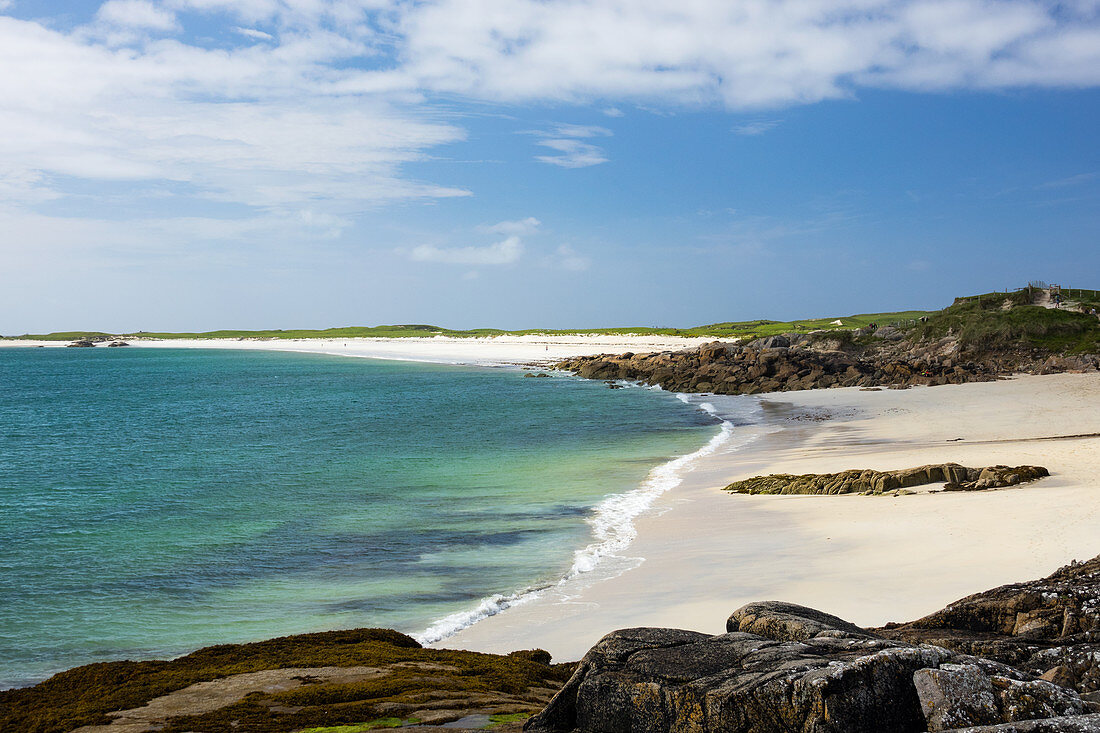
(701, 553)
(491, 351)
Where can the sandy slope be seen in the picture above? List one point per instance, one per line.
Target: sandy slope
(869, 559)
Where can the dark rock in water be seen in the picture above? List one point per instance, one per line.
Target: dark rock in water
(1048, 627)
(540, 375)
(954, 477)
(81, 344)
(803, 670)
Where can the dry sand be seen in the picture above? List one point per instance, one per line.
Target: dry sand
(870, 559)
(496, 350)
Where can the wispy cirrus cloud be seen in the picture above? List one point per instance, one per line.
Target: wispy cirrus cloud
(755, 127)
(571, 145)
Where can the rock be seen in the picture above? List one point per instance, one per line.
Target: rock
(115, 344)
(798, 670)
(81, 344)
(891, 358)
(1048, 627)
(956, 478)
(788, 622)
(956, 695)
(540, 375)
(1077, 724)
(889, 333)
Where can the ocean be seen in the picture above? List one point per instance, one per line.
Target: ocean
(153, 501)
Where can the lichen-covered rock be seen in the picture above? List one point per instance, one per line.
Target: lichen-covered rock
(956, 695)
(1048, 627)
(1076, 724)
(801, 670)
(816, 361)
(952, 475)
(789, 622)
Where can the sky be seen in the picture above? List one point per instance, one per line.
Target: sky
(191, 165)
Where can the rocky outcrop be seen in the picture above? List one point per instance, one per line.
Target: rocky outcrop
(835, 359)
(866, 481)
(1048, 627)
(782, 667)
(362, 678)
(81, 344)
(115, 344)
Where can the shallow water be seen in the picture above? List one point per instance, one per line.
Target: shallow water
(155, 501)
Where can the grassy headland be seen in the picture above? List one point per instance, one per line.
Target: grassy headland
(731, 329)
(987, 321)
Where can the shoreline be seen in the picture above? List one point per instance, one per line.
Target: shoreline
(530, 350)
(701, 553)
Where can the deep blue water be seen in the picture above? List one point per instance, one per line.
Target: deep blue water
(154, 501)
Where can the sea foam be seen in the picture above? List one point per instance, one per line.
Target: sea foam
(612, 520)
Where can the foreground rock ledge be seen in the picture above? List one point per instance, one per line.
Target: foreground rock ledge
(782, 667)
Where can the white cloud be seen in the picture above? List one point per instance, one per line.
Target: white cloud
(326, 114)
(505, 252)
(568, 258)
(568, 141)
(251, 126)
(756, 127)
(136, 14)
(518, 228)
(254, 33)
(752, 53)
(502, 253)
(1076, 180)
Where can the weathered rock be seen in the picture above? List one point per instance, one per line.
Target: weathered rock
(803, 670)
(954, 477)
(1077, 724)
(1048, 627)
(81, 344)
(789, 622)
(887, 357)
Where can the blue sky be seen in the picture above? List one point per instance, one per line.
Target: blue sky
(201, 164)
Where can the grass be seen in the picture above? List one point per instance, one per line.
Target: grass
(362, 727)
(84, 695)
(730, 329)
(982, 324)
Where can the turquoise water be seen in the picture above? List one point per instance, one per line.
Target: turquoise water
(155, 501)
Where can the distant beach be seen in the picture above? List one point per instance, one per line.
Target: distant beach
(491, 351)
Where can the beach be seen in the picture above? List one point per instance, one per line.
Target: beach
(701, 553)
(489, 351)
